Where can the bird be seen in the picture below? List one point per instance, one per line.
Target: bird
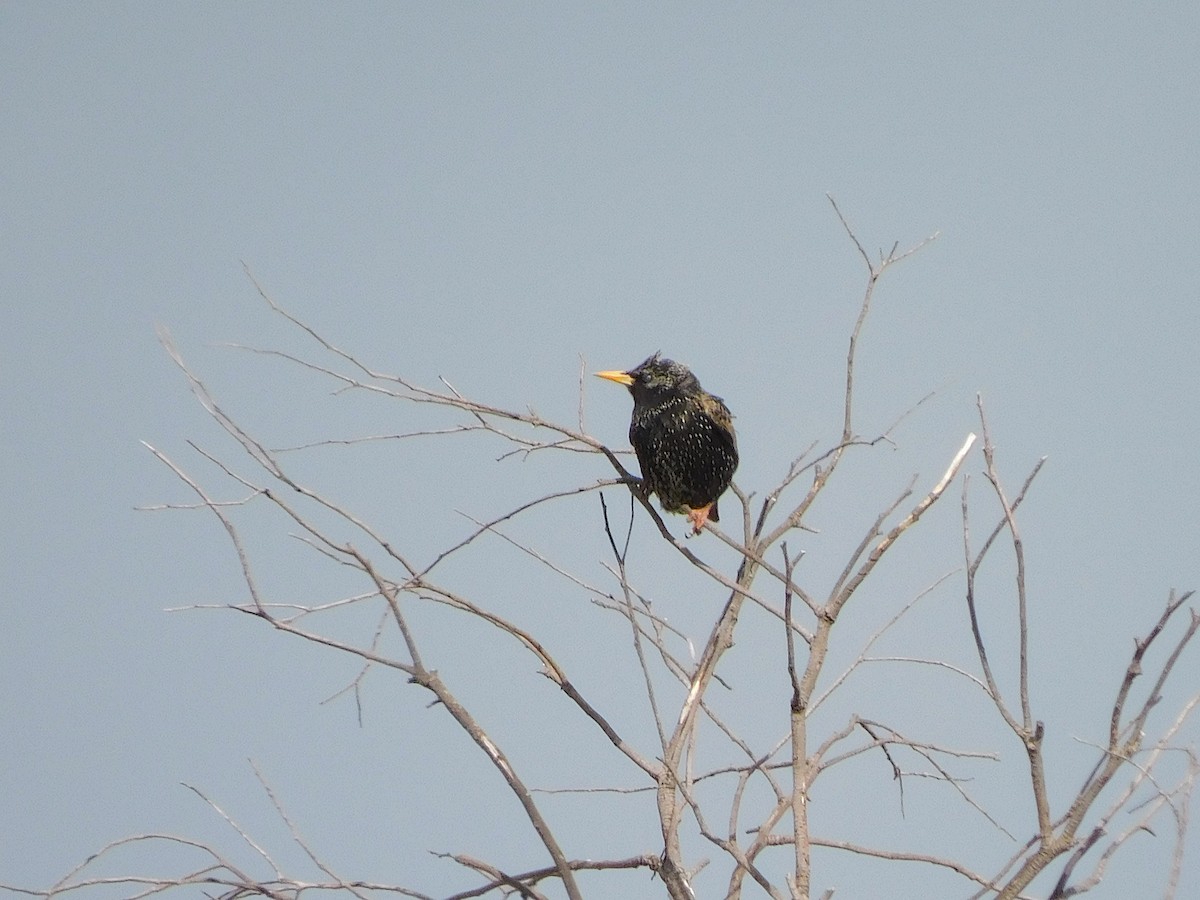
(683, 437)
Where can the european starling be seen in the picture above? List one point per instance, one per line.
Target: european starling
(683, 437)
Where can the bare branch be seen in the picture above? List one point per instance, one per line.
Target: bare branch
(759, 784)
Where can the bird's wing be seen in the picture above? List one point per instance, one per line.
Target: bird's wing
(714, 407)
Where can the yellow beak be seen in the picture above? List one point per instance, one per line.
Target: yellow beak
(619, 377)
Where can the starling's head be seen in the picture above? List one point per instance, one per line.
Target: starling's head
(656, 379)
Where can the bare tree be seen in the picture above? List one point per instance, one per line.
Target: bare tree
(760, 828)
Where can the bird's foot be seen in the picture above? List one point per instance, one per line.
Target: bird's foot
(698, 517)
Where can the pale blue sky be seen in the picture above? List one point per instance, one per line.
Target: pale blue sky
(486, 192)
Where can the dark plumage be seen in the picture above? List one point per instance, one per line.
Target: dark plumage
(683, 437)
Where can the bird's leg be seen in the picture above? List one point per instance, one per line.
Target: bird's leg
(698, 517)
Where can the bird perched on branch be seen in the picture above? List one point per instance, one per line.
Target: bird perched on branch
(683, 437)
